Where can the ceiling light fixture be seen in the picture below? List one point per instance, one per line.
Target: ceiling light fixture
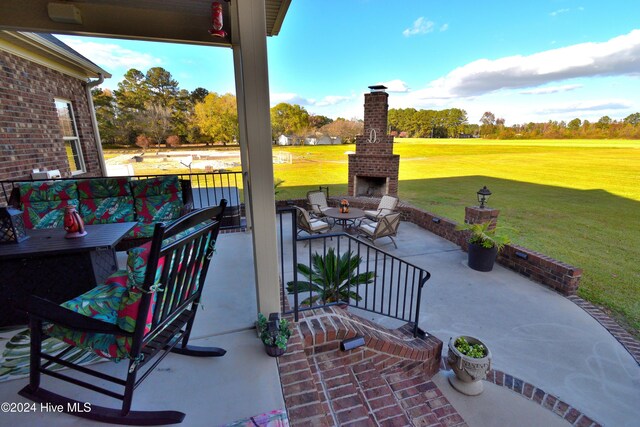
(65, 13)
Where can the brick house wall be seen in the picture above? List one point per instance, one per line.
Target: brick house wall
(30, 134)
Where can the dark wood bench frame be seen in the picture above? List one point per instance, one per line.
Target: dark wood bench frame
(170, 328)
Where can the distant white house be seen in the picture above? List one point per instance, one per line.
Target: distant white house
(329, 140)
(309, 140)
(288, 140)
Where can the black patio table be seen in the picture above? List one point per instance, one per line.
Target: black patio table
(53, 267)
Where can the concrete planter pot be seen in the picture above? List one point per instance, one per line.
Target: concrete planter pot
(482, 259)
(468, 372)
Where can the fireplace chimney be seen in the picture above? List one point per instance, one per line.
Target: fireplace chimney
(373, 169)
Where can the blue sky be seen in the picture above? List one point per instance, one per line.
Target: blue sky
(522, 60)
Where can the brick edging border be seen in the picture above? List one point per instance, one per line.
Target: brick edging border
(536, 394)
(627, 340)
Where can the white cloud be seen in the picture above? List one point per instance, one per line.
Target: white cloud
(550, 89)
(444, 27)
(290, 98)
(587, 105)
(111, 55)
(420, 26)
(294, 98)
(396, 85)
(559, 12)
(618, 56)
(332, 100)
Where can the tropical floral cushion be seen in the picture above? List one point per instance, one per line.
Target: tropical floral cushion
(102, 303)
(105, 200)
(117, 301)
(157, 199)
(137, 260)
(43, 202)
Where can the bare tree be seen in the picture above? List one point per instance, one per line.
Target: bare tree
(157, 122)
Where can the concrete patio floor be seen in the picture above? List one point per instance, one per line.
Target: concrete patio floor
(534, 334)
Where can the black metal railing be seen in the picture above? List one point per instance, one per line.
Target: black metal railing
(211, 187)
(395, 288)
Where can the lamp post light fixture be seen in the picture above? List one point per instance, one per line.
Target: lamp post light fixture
(483, 196)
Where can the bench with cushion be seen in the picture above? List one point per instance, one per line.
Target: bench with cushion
(105, 200)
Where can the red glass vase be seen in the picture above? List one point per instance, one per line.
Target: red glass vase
(73, 223)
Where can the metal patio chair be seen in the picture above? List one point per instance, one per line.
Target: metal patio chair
(386, 206)
(318, 202)
(386, 226)
(308, 224)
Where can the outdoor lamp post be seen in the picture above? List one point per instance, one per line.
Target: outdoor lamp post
(483, 196)
(12, 228)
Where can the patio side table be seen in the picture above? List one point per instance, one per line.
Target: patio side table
(346, 220)
(50, 266)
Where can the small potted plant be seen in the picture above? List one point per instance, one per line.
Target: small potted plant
(470, 361)
(274, 334)
(484, 244)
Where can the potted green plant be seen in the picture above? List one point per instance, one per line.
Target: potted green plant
(274, 335)
(470, 361)
(484, 244)
(331, 278)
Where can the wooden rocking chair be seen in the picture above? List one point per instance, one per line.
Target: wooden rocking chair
(140, 314)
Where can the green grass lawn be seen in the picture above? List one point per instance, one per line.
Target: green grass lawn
(575, 200)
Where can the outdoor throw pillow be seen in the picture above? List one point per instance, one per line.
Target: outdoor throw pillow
(43, 202)
(105, 200)
(157, 199)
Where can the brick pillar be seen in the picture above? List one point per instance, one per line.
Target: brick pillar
(477, 215)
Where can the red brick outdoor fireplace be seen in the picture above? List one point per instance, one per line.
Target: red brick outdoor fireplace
(373, 169)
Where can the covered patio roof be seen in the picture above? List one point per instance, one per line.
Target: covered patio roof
(247, 23)
(180, 21)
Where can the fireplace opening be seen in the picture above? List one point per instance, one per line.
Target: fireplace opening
(371, 186)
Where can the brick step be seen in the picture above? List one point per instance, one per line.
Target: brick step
(323, 330)
(421, 400)
(306, 404)
(359, 396)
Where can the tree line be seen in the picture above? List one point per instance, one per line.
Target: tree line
(604, 128)
(453, 123)
(149, 109)
(412, 123)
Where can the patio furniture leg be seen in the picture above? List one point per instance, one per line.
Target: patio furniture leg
(102, 414)
(196, 351)
(36, 346)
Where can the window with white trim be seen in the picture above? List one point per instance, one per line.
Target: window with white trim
(70, 135)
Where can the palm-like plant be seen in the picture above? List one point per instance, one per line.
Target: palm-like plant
(481, 234)
(331, 278)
